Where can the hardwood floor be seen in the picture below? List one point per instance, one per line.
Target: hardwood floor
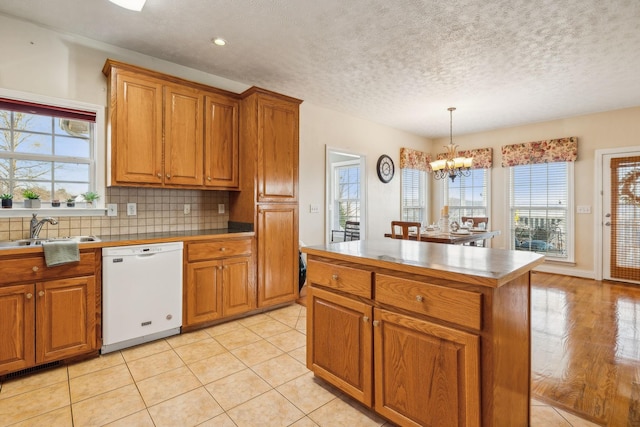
(586, 347)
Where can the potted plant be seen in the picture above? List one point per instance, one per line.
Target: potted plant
(71, 202)
(31, 199)
(7, 200)
(55, 203)
(90, 197)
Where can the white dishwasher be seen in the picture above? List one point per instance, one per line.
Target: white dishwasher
(141, 294)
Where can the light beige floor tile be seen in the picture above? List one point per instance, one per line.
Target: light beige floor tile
(288, 315)
(199, 350)
(237, 338)
(96, 364)
(107, 407)
(280, 370)
(300, 354)
(546, 416)
(269, 328)
(154, 364)
(99, 382)
(188, 409)
(221, 420)
(57, 418)
(23, 406)
(216, 367)
(33, 382)
(223, 328)
(252, 320)
(304, 422)
(188, 338)
(256, 352)
(340, 413)
(268, 409)
(144, 350)
(289, 340)
(574, 420)
(167, 385)
(137, 419)
(237, 388)
(307, 393)
(302, 324)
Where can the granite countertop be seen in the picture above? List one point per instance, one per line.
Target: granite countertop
(483, 266)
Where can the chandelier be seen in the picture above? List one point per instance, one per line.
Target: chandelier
(451, 166)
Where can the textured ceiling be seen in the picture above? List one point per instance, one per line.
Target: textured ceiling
(396, 62)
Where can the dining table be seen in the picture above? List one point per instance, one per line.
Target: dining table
(452, 238)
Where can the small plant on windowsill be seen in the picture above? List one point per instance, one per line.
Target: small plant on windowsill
(71, 202)
(31, 199)
(90, 197)
(7, 200)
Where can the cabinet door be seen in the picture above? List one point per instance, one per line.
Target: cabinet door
(221, 142)
(66, 318)
(239, 292)
(183, 136)
(17, 316)
(339, 342)
(203, 295)
(277, 171)
(278, 257)
(136, 130)
(426, 374)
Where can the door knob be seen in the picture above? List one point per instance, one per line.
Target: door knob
(608, 224)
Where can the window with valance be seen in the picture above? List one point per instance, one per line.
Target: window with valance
(414, 165)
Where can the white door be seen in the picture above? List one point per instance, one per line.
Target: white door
(621, 215)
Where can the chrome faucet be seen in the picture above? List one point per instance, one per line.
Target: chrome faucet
(36, 226)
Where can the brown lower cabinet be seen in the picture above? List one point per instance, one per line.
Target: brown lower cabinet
(220, 280)
(43, 321)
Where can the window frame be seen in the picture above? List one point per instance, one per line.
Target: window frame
(454, 210)
(98, 159)
(570, 232)
(422, 193)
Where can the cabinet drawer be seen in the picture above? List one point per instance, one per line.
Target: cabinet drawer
(451, 305)
(218, 249)
(33, 269)
(346, 279)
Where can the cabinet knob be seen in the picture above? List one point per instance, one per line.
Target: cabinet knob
(168, 176)
(35, 268)
(41, 293)
(159, 175)
(365, 319)
(419, 298)
(223, 249)
(261, 194)
(376, 323)
(208, 178)
(334, 277)
(219, 267)
(29, 295)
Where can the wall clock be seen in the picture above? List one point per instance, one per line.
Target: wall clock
(385, 168)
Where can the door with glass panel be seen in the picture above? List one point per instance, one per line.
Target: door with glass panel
(345, 181)
(621, 222)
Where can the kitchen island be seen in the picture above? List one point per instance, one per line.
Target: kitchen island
(425, 334)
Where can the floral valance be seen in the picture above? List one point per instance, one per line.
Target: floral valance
(547, 151)
(482, 157)
(414, 159)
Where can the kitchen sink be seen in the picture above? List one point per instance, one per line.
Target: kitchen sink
(36, 242)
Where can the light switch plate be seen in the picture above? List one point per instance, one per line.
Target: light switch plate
(583, 209)
(314, 209)
(112, 209)
(132, 209)
(187, 208)
(220, 208)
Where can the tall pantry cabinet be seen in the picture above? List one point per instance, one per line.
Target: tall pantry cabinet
(269, 190)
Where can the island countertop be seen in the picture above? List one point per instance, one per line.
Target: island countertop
(482, 266)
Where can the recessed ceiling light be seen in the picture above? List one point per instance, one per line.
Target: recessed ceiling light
(136, 5)
(219, 41)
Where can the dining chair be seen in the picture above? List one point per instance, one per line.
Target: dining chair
(351, 230)
(405, 226)
(477, 220)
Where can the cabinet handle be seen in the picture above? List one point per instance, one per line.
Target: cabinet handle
(29, 295)
(168, 176)
(208, 178)
(419, 298)
(35, 268)
(334, 277)
(365, 319)
(41, 293)
(376, 323)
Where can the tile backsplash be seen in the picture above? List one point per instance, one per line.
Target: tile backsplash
(158, 210)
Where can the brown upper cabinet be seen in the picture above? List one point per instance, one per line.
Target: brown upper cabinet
(169, 132)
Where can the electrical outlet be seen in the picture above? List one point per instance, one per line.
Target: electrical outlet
(132, 209)
(112, 209)
(220, 208)
(583, 209)
(187, 208)
(314, 209)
